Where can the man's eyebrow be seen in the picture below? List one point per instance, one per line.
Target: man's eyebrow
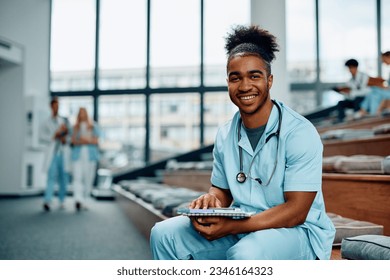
(234, 73)
(256, 71)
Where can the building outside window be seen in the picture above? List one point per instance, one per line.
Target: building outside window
(122, 119)
(174, 124)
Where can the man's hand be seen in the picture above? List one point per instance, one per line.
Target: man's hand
(61, 132)
(213, 228)
(345, 90)
(206, 201)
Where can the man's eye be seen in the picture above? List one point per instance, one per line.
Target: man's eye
(233, 79)
(255, 77)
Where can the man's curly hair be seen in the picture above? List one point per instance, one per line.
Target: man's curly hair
(251, 40)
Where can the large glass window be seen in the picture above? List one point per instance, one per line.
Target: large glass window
(385, 25)
(385, 35)
(301, 47)
(174, 124)
(122, 118)
(220, 16)
(218, 110)
(72, 58)
(347, 30)
(303, 101)
(122, 44)
(175, 43)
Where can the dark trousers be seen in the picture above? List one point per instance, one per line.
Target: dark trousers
(352, 104)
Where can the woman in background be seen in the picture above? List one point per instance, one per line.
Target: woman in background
(85, 155)
(378, 100)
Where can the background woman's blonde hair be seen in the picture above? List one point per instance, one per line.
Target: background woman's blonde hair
(83, 111)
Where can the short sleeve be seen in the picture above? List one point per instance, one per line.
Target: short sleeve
(303, 160)
(218, 175)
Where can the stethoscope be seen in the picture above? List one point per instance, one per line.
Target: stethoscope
(241, 175)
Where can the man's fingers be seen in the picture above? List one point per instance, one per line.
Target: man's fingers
(197, 203)
(205, 201)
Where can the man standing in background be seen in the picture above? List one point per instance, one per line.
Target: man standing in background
(54, 133)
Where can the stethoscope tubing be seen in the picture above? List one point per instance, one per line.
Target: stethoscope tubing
(241, 176)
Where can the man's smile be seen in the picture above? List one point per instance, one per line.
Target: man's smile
(248, 97)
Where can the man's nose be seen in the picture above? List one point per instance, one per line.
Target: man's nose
(245, 85)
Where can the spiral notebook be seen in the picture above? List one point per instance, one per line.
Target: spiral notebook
(232, 212)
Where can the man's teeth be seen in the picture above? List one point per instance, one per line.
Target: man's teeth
(247, 97)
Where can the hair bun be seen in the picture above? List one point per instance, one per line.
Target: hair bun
(263, 42)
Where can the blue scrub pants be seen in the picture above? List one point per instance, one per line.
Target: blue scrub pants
(175, 238)
(56, 173)
(373, 99)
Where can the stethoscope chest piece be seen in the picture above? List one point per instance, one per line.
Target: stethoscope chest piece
(241, 177)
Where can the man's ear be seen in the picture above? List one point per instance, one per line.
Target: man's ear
(270, 81)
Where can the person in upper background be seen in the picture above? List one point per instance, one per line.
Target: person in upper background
(85, 155)
(385, 102)
(267, 160)
(386, 60)
(54, 133)
(354, 91)
(378, 99)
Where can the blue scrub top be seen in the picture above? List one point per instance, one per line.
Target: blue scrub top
(299, 168)
(93, 150)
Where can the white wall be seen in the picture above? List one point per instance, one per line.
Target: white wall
(11, 119)
(271, 15)
(27, 23)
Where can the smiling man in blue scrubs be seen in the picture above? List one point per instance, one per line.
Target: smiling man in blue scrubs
(267, 159)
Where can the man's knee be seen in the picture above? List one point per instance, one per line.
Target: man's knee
(157, 233)
(166, 230)
(238, 252)
(167, 236)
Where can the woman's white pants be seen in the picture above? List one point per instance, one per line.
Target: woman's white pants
(84, 171)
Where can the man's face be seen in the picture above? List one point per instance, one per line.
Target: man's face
(54, 108)
(248, 83)
(386, 59)
(352, 70)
